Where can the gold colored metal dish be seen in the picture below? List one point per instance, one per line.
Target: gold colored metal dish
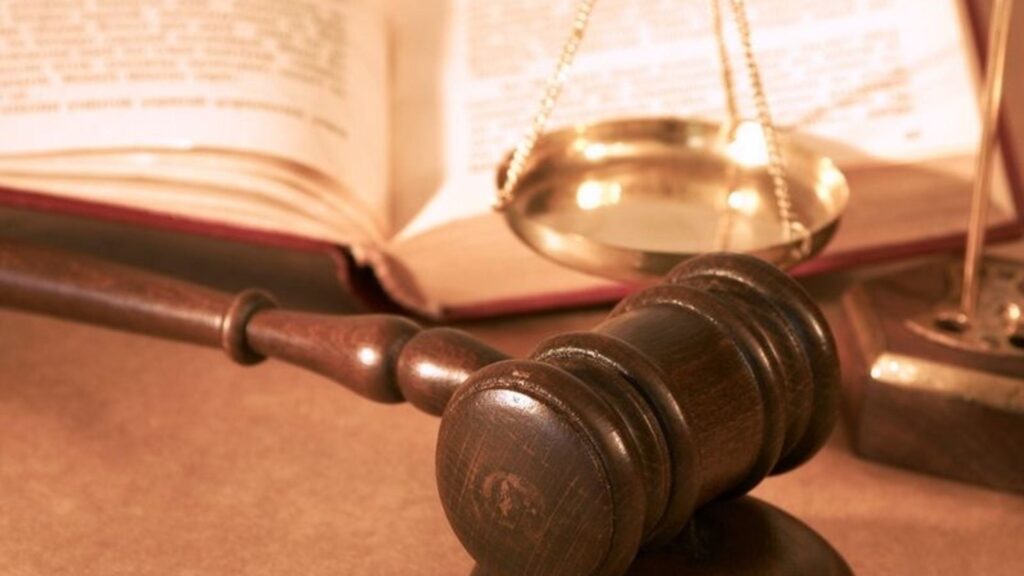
(628, 199)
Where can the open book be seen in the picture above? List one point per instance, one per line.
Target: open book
(377, 126)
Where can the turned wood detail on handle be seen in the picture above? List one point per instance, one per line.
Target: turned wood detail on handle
(563, 463)
(382, 357)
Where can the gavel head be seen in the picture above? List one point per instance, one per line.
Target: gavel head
(605, 441)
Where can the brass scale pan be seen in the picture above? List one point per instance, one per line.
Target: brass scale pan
(630, 198)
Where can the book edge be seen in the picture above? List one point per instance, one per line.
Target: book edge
(43, 202)
(828, 263)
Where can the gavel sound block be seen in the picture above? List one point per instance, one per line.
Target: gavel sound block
(567, 462)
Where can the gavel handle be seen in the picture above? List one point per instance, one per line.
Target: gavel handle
(382, 357)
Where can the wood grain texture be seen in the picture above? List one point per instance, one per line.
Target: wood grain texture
(702, 385)
(363, 353)
(90, 290)
(134, 455)
(564, 463)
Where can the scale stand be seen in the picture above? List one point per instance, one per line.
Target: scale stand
(934, 363)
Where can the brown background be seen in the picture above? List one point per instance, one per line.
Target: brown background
(122, 454)
(126, 455)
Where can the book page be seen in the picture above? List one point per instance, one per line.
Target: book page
(419, 32)
(241, 189)
(302, 82)
(863, 77)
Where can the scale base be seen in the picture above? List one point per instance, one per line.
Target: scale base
(930, 396)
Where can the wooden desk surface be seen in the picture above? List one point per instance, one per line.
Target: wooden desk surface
(125, 454)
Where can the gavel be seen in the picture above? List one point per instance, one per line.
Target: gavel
(567, 462)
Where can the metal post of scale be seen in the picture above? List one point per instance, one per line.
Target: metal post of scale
(981, 197)
(934, 354)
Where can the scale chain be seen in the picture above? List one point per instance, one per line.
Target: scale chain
(791, 225)
(725, 65)
(552, 90)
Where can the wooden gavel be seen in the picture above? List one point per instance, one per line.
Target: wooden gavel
(563, 463)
